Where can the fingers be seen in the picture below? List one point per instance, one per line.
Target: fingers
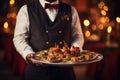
(33, 61)
(29, 56)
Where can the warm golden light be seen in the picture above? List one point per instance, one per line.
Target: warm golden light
(118, 19)
(11, 15)
(101, 4)
(93, 27)
(101, 26)
(12, 2)
(103, 20)
(105, 8)
(86, 22)
(87, 33)
(109, 29)
(6, 25)
(103, 12)
(107, 19)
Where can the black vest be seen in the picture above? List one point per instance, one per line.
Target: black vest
(43, 32)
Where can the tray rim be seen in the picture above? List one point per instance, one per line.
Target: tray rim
(99, 58)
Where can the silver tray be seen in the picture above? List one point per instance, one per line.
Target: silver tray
(98, 58)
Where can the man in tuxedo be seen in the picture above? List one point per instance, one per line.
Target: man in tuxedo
(39, 26)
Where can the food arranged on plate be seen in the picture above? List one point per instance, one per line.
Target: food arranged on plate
(65, 55)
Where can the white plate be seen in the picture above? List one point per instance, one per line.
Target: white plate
(98, 58)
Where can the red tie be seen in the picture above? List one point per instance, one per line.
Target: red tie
(55, 6)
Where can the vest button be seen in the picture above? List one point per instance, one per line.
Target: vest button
(68, 19)
(46, 31)
(60, 42)
(47, 42)
(60, 32)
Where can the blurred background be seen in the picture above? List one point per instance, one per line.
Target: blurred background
(100, 21)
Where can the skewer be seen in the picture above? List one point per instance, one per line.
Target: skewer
(65, 44)
(57, 46)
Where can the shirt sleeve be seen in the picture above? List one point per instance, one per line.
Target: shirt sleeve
(21, 33)
(77, 34)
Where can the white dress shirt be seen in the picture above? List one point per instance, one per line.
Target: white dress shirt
(21, 33)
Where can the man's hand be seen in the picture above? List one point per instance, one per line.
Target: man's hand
(30, 59)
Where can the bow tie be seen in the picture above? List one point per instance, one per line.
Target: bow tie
(55, 6)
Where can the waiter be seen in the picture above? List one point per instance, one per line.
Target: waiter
(39, 26)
